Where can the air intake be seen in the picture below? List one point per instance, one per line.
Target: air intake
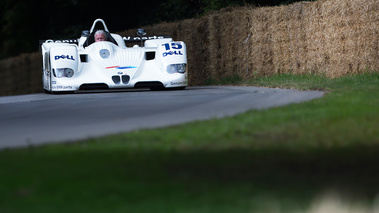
(125, 79)
(98, 86)
(153, 85)
(150, 56)
(116, 79)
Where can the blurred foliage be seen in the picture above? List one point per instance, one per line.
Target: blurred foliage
(23, 23)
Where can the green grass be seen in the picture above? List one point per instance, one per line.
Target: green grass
(274, 160)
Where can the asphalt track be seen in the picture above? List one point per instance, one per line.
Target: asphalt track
(35, 119)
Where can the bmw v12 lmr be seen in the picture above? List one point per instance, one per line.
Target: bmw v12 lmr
(155, 62)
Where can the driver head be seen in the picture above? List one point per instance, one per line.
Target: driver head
(100, 36)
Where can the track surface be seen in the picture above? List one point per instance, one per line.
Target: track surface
(36, 119)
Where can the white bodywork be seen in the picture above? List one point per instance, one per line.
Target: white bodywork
(160, 63)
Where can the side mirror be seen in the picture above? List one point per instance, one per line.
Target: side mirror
(85, 33)
(140, 33)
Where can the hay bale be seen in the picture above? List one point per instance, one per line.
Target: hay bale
(21, 74)
(195, 35)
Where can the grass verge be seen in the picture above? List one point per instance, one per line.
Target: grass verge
(274, 160)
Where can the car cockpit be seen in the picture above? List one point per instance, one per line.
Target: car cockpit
(90, 35)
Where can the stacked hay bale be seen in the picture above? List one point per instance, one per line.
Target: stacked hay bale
(332, 38)
(21, 75)
(341, 37)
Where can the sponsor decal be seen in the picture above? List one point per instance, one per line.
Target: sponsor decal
(172, 49)
(69, 41)
(120, 68)
(136, 38)
(172, 53)
(62, 87)
(178, 83)
(70, 57)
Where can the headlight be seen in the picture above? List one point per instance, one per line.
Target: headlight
(176, 68)
(63, 72)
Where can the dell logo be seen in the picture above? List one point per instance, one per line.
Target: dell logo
(70, 57)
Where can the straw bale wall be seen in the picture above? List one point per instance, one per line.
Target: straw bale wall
(329, 37)
(21, 75)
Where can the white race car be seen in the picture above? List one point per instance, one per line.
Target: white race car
(83, 64)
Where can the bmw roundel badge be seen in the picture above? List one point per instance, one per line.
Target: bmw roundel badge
(104, 53)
